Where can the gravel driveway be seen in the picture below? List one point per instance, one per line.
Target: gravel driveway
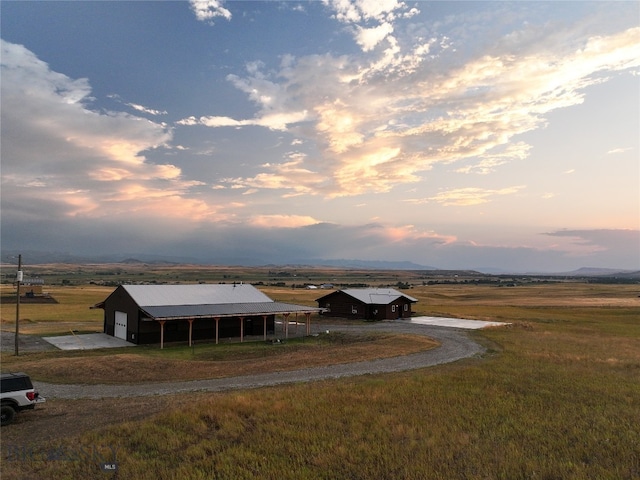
(455, 345)
(27, 343)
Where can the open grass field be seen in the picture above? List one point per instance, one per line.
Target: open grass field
(131, 272)
(72, 312)
(557, 396)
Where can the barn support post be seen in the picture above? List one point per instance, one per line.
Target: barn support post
(217, 319)
(241, 329)
(161, 322)
(190, 330)
(264, 324)
(308, 322)
(296, 324)
(285, 325)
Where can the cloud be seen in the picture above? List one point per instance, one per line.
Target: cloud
(412, 234)
(382, 13)
(368, 38)
(465, 197)
(614, 151)
(613, 242)
(207, 10)
(406, 105)
(500, 156)
(143, 109)
(69, 160)
(365, 10)
(292, 238)
(290, 177)
(282, 221)
(386, 116)
(274, 121)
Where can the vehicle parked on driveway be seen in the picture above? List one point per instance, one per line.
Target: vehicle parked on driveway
(17, 394)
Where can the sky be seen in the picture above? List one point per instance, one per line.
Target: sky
(451, 134)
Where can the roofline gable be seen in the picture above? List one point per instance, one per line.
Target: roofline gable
(368, 296)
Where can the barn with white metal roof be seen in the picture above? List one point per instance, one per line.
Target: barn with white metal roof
(170, 313)
(367, 303)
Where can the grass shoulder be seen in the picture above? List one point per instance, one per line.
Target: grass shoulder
(207, 360)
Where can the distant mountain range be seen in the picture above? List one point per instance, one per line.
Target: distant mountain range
(364, 264)
(601, 272)
(38, 257)
(581, 272)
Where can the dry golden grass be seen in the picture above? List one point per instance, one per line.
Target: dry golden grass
(72, 312)
(557, 396)
(550, 295)
(471, 301)
(207, 362)
(580, 348)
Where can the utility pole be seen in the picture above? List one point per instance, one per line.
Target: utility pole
(18, 281)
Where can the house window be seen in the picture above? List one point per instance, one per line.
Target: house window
(393, 308)
(406, 307)
(354, 310)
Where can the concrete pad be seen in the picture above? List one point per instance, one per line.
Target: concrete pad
(455, 322)
(87, 341)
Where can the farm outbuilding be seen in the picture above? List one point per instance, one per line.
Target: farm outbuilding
(367, 304)
(170, 313)
(31, 287)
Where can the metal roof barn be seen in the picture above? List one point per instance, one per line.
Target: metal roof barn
(138, 313)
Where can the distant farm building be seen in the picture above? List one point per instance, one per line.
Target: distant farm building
(31, 290)
(367, 304)
(31, 287)
(169, 313)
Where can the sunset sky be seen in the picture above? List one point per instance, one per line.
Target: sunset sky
(450, 134)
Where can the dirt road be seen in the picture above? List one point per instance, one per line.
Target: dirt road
(455, 345)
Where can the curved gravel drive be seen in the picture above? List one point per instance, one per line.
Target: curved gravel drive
(454, 345)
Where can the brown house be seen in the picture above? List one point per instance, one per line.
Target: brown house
(367, 304)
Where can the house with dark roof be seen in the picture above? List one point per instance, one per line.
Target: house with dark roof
(170, 313)
(367, 304)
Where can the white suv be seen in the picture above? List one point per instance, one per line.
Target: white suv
(17, 393)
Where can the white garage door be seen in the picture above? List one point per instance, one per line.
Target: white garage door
(120, 330)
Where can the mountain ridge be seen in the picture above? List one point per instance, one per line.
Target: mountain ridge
(43, 257)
